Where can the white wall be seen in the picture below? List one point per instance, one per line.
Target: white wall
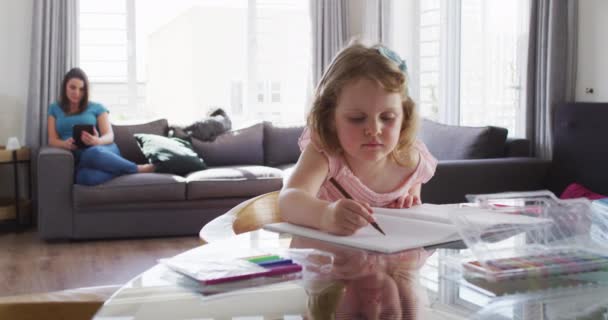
(592, 51)
(15, 35)
(15, 30)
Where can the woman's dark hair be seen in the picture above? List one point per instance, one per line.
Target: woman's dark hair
(64, 102)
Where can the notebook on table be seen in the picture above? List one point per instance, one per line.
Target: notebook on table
(421, 226)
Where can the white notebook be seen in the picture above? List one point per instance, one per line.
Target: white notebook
(421, 226)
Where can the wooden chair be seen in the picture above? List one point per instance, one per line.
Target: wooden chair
(73, 304)
(247, 216)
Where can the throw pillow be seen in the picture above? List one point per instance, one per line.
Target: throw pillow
(170, 155)
(450, 142)
(123, 137)
(237, 147)
(281, 144)
(576, 190)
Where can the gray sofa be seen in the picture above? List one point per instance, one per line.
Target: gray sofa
(245, 163)
(476, 160)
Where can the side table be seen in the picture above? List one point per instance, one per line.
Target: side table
(12, 211)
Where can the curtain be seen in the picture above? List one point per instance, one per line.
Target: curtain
(551, 72)
(329, 32)
(377, 22)
(54, 52)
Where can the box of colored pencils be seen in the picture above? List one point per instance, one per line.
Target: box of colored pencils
(214, 272)
(539, 265)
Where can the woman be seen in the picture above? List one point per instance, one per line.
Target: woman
(100, 160)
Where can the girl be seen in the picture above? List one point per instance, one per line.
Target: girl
(101, 160)
(361, 133)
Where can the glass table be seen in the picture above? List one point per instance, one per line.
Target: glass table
(416, 284)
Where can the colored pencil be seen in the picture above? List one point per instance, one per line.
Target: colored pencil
(347, 196)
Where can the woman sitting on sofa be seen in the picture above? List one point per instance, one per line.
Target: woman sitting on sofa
(98, 160)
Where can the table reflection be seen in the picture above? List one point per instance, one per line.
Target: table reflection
(363, 284)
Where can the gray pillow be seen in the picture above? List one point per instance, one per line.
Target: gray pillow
(281, 144)
(124, 139)
(243, 146)
(447, 142)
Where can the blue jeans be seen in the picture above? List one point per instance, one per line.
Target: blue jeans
(98, 164)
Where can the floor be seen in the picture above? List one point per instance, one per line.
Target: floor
(30, 265)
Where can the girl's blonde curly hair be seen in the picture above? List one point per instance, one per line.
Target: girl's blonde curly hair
(355, 62)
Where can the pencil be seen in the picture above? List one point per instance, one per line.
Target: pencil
(347, 196)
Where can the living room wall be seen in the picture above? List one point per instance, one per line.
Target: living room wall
(592, 51)
(15, 30)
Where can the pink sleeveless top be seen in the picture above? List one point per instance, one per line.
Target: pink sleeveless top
(339, 170)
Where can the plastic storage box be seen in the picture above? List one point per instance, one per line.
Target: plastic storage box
(562, 236)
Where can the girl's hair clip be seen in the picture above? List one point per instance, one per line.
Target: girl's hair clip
(393, 56)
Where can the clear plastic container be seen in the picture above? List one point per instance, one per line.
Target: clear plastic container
(531, 234)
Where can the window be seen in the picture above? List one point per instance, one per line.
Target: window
(471, 62)
(182, 59)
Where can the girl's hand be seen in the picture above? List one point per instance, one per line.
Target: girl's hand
(68, 144)
(346, 216)
(90, 139)
(406, 201)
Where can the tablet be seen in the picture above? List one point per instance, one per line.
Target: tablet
(77, 133)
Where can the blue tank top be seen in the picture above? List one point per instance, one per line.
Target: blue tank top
(64, 123)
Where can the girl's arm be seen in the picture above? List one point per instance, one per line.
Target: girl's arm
(54, 139)
(298, 202)
(106, 136)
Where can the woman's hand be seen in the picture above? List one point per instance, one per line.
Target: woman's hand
(346, 216)
(90, 139)
(68, 144)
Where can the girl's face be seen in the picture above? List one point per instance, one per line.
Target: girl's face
(75, 90)
(368, 121)
(374, 296)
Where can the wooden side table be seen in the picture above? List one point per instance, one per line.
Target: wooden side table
(15, 212)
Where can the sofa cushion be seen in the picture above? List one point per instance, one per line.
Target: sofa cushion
(132, 188)
(281, 144)
(447, 142)
(123, 137)
(233, 181)
(287, 171)
(169, 155)
(237, 147)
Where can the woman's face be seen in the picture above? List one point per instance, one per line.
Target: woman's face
(75, 91)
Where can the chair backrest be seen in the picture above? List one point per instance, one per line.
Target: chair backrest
(247, 216)
(260, 211)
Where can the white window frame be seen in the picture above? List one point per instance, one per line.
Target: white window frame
(449, 95)
(131, 56)
(131, 93)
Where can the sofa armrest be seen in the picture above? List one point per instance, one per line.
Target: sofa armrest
(517, 147)
(454, 179)
(55, 183)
